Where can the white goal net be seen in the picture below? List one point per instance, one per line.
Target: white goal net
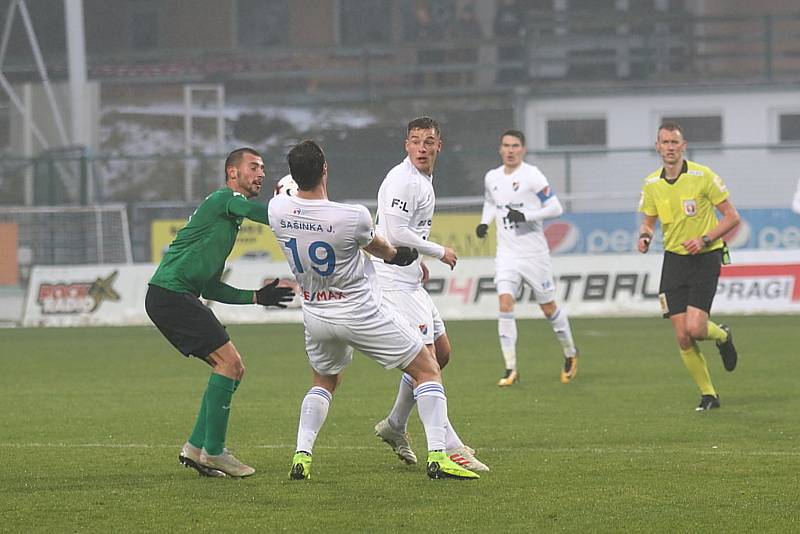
(70, 235)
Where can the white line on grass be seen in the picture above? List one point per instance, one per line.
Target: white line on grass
(542, 450)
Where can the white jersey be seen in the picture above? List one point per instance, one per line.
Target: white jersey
(525, 190)
(322, 243)
(405, 215)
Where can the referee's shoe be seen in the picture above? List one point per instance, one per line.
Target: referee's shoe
(727, 350)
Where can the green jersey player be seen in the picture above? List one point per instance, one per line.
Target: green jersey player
(192, 267)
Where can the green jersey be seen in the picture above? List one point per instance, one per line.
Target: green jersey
(196, 257)
(685, 207)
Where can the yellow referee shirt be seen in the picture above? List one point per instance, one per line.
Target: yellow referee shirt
(685, 207)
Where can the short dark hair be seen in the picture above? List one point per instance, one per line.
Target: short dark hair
(306, 162)
(514, 133)
(235, 157)
(671, 126)
(424, 123)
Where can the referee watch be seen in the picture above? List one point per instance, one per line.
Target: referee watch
(706, 241)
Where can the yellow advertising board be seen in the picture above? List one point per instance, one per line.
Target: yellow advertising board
(254, 239)
(455, 230)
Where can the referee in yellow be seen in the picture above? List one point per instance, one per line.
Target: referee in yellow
(682, 195)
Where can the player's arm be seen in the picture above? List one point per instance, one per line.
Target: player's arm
(646, 230)
(217, 290)
(551, 208)
(796, 201)
(378, 246)
(269, 295)
(399, 203)
(242, 207)
(384, 250)
(487, 214)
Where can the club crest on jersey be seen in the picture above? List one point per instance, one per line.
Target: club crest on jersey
(515, 186)
(690, 207)
(296, 211)
(423, 328)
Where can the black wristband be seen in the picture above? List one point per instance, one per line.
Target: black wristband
(645, 235)
(706, 240)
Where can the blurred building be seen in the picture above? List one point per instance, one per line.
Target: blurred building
(367, 49)
(352, 72)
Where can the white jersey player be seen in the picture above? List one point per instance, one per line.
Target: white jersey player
(519, 198)
(323, 242)
(405, 214)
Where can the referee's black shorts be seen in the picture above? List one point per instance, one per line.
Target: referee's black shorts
(186, 322)
(689, 280)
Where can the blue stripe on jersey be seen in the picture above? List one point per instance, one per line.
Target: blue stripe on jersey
(408, 380)
(545, 194)
(322, 392)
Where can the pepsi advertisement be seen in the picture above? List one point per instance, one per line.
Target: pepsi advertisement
(618, 232)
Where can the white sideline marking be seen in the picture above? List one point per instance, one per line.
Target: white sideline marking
(710, 449)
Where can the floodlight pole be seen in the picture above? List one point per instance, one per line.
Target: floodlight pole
(76, 65)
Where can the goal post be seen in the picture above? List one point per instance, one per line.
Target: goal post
(71, 235)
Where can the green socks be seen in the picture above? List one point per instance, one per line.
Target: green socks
(212, 420)
(198, 437)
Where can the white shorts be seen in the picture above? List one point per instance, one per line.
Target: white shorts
(417, 306)
(384, 337)
(536, 272)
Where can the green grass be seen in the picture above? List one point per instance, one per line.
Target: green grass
(92, 420)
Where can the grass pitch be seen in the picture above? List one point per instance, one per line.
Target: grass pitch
(92, 421)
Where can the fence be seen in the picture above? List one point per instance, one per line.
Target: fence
(589, 179)
(759, 176)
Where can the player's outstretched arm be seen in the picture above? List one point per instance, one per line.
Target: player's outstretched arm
(382, 249)
(242, 207)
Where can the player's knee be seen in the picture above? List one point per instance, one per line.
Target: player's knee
(698, 331)
(231, 368)
(506, 303)
(549, 309)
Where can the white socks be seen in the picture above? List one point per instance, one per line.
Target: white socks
(313, 412)
(507, 330)
(560, 323)
(432, 406)
(404, 403)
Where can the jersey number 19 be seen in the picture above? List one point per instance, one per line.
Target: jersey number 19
(327, 259)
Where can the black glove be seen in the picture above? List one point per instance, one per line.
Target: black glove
(272, 295)
(405, 256)
(515, 216)
(481, 230)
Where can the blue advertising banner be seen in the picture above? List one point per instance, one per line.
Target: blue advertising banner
(618, 232)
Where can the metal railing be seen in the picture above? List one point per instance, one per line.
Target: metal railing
(587, 178)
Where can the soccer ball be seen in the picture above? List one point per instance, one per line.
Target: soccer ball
(286, 186)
